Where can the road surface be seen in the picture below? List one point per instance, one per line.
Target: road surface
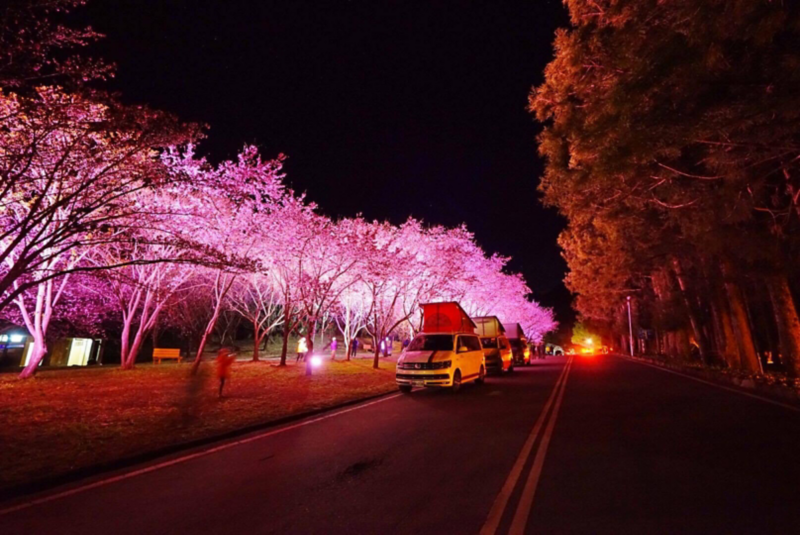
(592, 445)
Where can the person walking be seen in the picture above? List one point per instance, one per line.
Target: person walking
(302, 349)
(225, 358)
(333, 346)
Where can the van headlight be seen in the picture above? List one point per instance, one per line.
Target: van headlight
(443, 365)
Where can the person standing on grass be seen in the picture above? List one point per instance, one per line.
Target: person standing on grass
(302, 349)
(333, 345)
(354, 347)
(225, 358)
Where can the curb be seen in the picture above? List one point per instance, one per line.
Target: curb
(774, 392)
(13, 493)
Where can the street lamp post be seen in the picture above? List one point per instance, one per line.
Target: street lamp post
(630, 324)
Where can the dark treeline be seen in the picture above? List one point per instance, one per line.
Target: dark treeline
(672, 139)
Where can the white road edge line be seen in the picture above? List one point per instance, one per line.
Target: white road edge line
(189, 457)
(723, 387)
(499, 505)
(520, 520)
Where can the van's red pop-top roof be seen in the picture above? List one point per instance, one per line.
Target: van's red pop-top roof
(446, 318)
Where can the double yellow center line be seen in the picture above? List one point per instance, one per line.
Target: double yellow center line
(523, 510)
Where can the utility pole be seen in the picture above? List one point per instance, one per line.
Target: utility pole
(630, 324)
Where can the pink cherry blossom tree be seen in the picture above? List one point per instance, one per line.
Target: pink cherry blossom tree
(285, 235)
(142, 289)
(350, 314)
(67, 169)
(35, 48)
(329, 261)
(255, 299)
(36, 305)
(237, 201)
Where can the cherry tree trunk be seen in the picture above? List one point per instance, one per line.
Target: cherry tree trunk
(133, 352)
(37, 354)
(376, 347)
(287, 330)
(209, 329)
(787, 322)
(125, 343)
(256, 341)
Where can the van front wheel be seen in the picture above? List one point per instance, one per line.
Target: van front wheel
(456, 381)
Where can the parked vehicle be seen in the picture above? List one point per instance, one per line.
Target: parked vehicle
(496, 348)
(446, 353)
(519, 344)
(552, 349)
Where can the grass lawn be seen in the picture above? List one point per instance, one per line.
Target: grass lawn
(61, 421)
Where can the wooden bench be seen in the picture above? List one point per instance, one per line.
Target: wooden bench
(161, 353)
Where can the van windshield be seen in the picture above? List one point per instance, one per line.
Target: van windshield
(489, 342)
(432, 342)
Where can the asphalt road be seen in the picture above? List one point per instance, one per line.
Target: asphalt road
(597, 445)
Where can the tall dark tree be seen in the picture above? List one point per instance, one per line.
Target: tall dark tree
(674, 127)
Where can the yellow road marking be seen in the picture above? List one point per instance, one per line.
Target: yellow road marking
(526, 500)
(500, 503)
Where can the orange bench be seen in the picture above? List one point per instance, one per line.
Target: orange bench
(161, 353)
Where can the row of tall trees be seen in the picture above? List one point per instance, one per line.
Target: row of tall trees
(107, 213)
(672, 141)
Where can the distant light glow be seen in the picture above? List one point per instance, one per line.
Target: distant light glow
(17, 338)
(589, 341)
(316, 361)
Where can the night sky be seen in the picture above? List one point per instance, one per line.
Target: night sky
(385, 108)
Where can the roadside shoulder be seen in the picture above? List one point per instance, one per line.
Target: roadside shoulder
(11, 494)
(775, 393)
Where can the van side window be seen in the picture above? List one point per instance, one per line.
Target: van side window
(471, 342)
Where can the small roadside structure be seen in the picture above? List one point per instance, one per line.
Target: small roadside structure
(13, 342)
(16, 346)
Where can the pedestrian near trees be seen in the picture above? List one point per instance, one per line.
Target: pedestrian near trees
(225, 358)
(302, 349)
(333, 346)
